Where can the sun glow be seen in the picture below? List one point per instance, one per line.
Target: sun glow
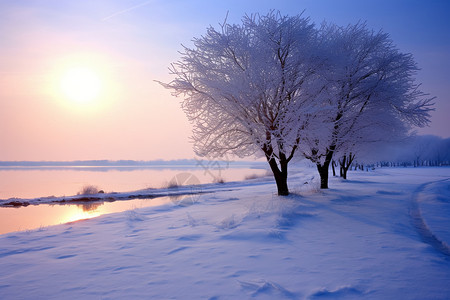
(80, 84)
(83, 83)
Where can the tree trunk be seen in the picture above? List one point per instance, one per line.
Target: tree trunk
(282, 186)
(333, 167)
(323, 168)
(323, 172)
(342, 166)
(346, 164)
(280, 176)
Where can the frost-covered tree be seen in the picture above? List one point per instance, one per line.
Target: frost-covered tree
(371, 95)
(274, 86)
(248, 88)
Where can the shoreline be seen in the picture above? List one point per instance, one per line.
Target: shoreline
(138, 194)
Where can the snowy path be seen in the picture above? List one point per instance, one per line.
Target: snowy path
(354, 241)
(431, 211)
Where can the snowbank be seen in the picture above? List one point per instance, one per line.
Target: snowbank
(354, 241)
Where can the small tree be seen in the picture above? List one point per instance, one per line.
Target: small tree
(344, 164)
(371, 96)
(245, 89)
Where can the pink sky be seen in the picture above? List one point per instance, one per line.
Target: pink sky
(130, 44)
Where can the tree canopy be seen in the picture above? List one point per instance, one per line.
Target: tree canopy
(370, 95)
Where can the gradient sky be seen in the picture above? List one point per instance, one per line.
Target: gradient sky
(129, 44)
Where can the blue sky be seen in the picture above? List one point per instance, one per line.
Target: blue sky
(132, 43)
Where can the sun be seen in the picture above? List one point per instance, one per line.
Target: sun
(80, 84)
(84, 83)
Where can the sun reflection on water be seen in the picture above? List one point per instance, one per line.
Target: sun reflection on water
(81, 214)
(43, 215)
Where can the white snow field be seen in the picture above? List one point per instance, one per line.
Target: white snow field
(381, 234)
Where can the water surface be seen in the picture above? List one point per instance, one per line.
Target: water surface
(28, 183)
(44, 182)
(43, 215)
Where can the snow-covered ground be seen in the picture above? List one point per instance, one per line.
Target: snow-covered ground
(365, 238)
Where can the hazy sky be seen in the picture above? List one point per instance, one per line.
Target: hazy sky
(129, 44)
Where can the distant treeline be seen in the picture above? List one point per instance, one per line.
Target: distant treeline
(416, 151)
